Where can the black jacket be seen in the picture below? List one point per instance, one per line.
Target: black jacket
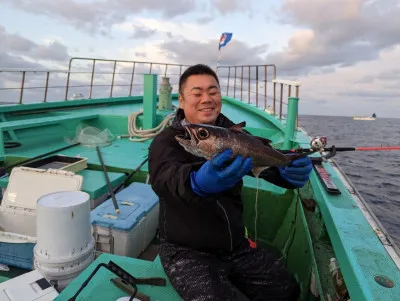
(211, 224)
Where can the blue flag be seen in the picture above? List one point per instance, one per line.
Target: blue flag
(225, 38)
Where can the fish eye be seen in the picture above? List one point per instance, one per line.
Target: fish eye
(202, 133)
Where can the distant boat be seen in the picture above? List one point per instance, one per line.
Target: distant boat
(373, 117)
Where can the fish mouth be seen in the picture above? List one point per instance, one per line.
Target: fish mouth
(188, 138)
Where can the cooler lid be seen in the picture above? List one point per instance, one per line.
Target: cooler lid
(105, 216)
(26, 185)
(133, 201)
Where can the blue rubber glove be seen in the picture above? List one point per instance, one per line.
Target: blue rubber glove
(213, 177)
(298, 172)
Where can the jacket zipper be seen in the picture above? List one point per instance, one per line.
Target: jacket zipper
(229, 225)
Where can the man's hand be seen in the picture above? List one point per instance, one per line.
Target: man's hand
(298, 172)
(214, 177)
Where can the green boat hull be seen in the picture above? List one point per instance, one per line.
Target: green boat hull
(339, 226)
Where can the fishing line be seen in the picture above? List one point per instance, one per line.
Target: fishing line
(294, 225)
(256, 210)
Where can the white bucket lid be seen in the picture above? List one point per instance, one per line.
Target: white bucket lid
(127, 299)
(63, 199)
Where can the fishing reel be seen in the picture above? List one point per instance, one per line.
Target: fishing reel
(318, 143)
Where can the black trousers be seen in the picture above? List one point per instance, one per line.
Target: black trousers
(199, 276)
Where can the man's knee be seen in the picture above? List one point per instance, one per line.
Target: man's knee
(198, 277)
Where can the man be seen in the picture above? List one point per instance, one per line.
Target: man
(203, 248)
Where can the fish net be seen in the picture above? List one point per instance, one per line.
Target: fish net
(90, 136)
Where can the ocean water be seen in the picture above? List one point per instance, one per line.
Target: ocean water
(376, 174)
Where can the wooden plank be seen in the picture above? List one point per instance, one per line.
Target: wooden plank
(36, 122)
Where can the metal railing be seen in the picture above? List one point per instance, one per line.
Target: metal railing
(82, 75)
(256, 84)
(247, 81)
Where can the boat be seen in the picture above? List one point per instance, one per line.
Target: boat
(92, 135)
(373, 117)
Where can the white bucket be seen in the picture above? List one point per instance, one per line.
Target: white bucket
(65, 245)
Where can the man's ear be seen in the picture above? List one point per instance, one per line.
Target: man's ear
(180, 98)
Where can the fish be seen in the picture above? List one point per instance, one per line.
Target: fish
(207, 141)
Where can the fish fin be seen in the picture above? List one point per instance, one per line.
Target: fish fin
(264, 140)
(238, 127)
(258, 170)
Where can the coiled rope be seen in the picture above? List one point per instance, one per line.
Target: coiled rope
(139, 135)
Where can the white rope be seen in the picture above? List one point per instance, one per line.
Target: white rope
(139, 135)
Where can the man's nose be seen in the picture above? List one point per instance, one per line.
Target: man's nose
(205, 97)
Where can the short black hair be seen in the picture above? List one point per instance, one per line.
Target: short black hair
(198, 69)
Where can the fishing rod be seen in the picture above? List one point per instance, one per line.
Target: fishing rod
(318, 144)
(110, 189)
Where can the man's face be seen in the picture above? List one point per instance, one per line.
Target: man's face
(201, 99)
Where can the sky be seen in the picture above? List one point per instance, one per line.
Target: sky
(345, 53)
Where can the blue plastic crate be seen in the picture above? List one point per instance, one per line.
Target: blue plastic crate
(17, 254)
(134, 202)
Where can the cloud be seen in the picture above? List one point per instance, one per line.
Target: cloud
(189, 52)
(336, 33)
(142, 32)
(362, 88)
(18, 52)
(96, 15)
(231, 6)
(205, 19)
(16, 45)
(99, 16)
(9, 61)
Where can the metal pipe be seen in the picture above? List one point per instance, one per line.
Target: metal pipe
(132, 77)
(274, 98)
(227, 87)
(256, 86)
(68, 76)
(249, 87)
(22, 87)
(165, 72)
(234, 85)
(91, 80)
(265, 87)
(281, 102)
(47, 86)
(113, 76)
(241, 86)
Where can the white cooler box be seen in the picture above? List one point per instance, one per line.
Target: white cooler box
(131, 231)
(18, 210)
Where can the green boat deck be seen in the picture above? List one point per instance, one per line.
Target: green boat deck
(101, 288)
(336, 228)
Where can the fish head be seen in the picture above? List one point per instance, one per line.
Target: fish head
(202, 140)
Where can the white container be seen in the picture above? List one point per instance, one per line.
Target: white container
(65, 245)
(18, 210)
(30, 286)
(25, 186)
